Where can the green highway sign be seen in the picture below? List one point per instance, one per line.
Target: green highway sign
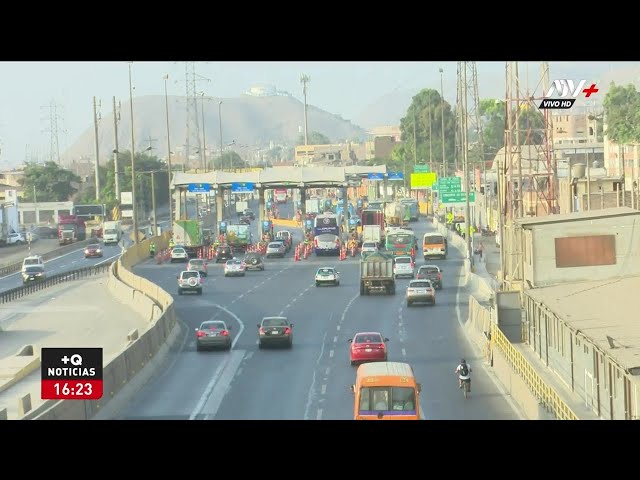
(421, 169)
(456, 197)
(449, 185)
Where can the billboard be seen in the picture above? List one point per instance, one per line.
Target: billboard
(88, 210)
(422, 180)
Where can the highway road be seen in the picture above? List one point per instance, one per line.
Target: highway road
(68, 261)
(312, 380)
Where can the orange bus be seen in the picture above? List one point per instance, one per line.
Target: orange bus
(386, 391)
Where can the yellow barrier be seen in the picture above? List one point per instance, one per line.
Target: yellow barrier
(425, 208)
(522, 367)
(282, 222)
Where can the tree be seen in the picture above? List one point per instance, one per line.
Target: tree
(622, 109)
(314, 138)
(229, 159)
(426, 109)
(51, 182)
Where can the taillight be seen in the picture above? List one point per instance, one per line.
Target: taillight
(262, 330)
(200, 280)
(224, 333)
(381, 346)
(287, 331)
(200, 333)
(439, 276)
(315, 242)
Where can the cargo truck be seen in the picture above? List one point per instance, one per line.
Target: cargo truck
(373, 217)
(71, 229)
(239, 237)
(111, 232)
(188, 234)
(414, 211)
(376, 274)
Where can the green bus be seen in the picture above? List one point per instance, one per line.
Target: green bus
(400, 241)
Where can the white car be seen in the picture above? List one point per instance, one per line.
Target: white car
(403, 266)
(16, 239)
(327, 275)
(32, 260)
(368, 247)
(179, 254)
(234, 267)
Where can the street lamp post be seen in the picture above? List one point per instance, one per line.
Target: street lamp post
(133, 164)
(166, 106)
(204, 138)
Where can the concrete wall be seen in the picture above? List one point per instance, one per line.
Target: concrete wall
(146, 298)
(543, 257)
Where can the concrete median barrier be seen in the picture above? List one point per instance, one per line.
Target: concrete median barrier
(139, 348)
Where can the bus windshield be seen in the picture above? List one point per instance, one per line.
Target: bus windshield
(399, 239)
(389, 400)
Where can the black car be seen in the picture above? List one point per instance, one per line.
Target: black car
(253, 261)
(223, 253)
(431, 272)
(275, 331)
(33, 273)
(244, 221)
(249, 213)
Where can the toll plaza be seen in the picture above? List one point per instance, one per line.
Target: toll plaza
(222, 182)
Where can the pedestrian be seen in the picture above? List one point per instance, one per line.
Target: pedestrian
(480, 250)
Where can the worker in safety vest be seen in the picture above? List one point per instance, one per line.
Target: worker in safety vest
(152, 249)
(171, 243)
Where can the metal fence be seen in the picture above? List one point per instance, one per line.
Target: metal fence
(16, 267)
(19, 292)
(549, 398)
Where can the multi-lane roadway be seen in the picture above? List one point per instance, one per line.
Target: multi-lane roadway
(312, 380)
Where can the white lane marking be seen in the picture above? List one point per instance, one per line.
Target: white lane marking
(346, 309)
(323, 389)
(404, 352)
(330, 353)
(490, 374)
(307, 410)
(338, 327)
(105, 261)
(212, 383)
(223, 384)
(319, 414)
(335, 339)
(326, 372)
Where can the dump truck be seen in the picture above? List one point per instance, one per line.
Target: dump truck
(188, 234)
(376, 274)
(239, 237)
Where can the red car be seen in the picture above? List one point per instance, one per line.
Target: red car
(368, 347)
(93, 250)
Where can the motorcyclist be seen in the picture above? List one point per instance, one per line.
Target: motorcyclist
(464, 372)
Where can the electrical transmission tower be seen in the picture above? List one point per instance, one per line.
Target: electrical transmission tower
(468, 107)
(528, 181)
(52, 130)
(193, 123)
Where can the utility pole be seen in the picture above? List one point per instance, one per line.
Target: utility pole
(304, 79)
(95, 127)
(465, 168)
(116, 118)
(153, 203)
(430, 142)
(166, 106)
(204, 139)
(444, 161)
(415, 141)
(133, 164)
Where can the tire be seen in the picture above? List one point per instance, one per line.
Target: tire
(290, 345)
(262, 269)
(317, 284)
(408, 304)
(337, 284)
(199, 291)
(229, 346)
(361, 289)
(352, 363)
(198, 348)
(179, 292)
(260, 345)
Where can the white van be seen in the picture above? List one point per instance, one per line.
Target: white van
(32, 260)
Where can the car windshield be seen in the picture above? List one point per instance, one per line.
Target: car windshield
(34, 269)
(275, 245)
(397, 399)
(213, 326)
(429, 270)
(274, 322)
(419, 284)
(196, 263)
(326, 237)
(234, 262)
(93, 247)
(433, 240)
(368, 338)
(282, 235)
(251, 256)
(178, 250)
(368, 245)
(190, 274)
(31, 261)
(325, 271)
(224, 249)
(403, 260)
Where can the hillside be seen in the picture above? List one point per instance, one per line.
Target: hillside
(251, 121)
(386, 110)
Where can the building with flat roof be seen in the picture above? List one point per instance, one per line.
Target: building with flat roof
(588, 334)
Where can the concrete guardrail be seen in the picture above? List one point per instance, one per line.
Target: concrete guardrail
(141, 346)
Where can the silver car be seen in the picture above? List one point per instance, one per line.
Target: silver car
(234, 268)
(421, 291)
(276, 249)
(213, 333)
(403, 267)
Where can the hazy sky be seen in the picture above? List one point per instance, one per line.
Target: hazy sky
(346, 88)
